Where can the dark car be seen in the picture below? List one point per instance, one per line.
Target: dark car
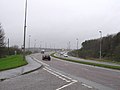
(46, 57)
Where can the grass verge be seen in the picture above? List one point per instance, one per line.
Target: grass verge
(11, 62)
(88, 63)
(102, 60)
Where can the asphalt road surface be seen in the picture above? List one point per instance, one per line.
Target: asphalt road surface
(62, 75)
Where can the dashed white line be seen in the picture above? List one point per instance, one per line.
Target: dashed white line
(86, 85)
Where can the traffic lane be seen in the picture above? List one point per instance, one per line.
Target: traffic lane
(105, 77)
(44, 79)
(72, 83)
(101, 76)
(38, 80)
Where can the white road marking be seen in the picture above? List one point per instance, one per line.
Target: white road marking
(74, 80)
(59, 73)
(54, 71)
(85, 69)
(40, 62)
(65, 86)
(61, 76)
(56, 75)
(86, 85)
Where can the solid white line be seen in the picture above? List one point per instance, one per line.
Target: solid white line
(59, 73)
(86, 85)
(74, 80)
(56, 75)
(41, 62)
(65, 86)
(51, 71)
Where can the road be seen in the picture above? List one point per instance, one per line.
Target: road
(62, 75)
(80, 59)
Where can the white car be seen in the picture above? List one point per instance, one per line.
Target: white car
(61, 53)
(42, 51)
(65, 55)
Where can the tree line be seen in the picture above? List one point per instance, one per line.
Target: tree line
(4, 49)
(110, 45)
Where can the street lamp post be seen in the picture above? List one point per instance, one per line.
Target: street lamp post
(45, 45)
(40, 45)
(35, 45)
(77, 48)
(8, 46)
(54, 48)
(24, 30)
(29, 42)
(77, 43)
(100, 44)
(69, 45)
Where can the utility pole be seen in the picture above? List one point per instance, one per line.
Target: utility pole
(77, 43)
(100, 44)
(40, 45)
(24, 30)
(45, 46)
(77, 48)
(8, 46)
(29, 42)
(69, 45)
(54, 48)
(35, 45)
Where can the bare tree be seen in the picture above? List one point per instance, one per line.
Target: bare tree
(2, 37)
(3, 49)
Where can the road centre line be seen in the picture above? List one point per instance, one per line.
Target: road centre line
(65, 86)
(59, 76)
(40, 62)
(87, 85)
(59, 73)
(53, 70)
(56, 75)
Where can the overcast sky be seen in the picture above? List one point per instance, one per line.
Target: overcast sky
(56, 22)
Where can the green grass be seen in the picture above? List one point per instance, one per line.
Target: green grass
(89, 63)
(102, 60)
(11, 62)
